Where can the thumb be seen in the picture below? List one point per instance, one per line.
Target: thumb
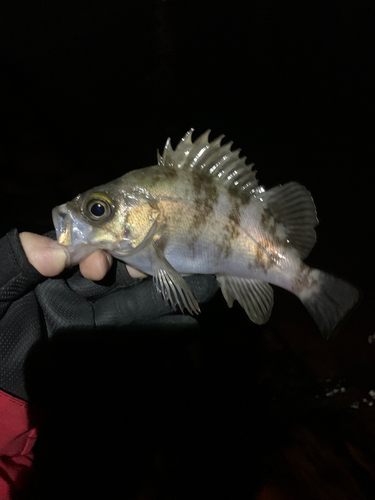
(47, 256)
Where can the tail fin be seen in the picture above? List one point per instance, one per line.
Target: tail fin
(329, 301)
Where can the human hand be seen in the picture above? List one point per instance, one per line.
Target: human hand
(50, 259)
(121, 301)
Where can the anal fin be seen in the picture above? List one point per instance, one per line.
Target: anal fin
(255, 296)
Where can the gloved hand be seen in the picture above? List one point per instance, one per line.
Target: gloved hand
(120, 298)
(37, 306)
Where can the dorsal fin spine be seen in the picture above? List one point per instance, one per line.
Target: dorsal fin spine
(211, 158)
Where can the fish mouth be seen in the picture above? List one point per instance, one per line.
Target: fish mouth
(62, 223)
(71, 235)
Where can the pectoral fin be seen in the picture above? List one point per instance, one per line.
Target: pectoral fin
(171, 284)
(255, 296)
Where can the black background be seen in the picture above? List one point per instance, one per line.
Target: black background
(90, 89)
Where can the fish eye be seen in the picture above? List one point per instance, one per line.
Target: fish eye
(98, 209)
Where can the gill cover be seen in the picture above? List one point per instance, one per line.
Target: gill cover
(140, 226)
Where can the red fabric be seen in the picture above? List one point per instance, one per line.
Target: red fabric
(17, 438)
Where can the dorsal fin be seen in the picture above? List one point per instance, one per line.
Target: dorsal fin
(292, 206)
(213, 159)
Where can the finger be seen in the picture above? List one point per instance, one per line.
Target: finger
(96, 265)
(43, 253)
(135, 273)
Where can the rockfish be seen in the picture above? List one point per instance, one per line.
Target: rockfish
(202, 211)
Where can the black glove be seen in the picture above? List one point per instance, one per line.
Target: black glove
(33, 307)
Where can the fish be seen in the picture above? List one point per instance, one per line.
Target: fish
(201, 210)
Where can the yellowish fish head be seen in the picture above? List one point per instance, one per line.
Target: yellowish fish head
(107, 218)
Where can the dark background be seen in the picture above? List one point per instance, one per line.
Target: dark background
(90, 89)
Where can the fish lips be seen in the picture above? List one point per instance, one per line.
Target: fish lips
(72, 234)
(62, 222)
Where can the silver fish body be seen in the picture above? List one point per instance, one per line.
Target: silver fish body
(202, 211)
